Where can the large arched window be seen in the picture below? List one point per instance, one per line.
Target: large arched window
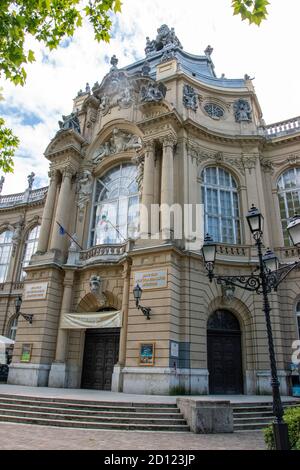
(116, 206)
(221, 205)
(30, 248)
(288, 186)
(5, 253)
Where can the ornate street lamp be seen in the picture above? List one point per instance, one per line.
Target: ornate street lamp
(263, 280)
(27, 317)
(137, 294)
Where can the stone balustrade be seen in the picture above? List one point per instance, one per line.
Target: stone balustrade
(27, 197)
(103, 250)
(290, 126)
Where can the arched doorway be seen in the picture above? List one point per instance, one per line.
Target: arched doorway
(224, 354)
(101, 353)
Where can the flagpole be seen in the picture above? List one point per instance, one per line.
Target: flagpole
(70, 236)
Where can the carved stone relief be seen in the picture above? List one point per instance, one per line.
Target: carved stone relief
(242, 111)
(120, 141)
(190, 97)
(85, 190)
(152, 92)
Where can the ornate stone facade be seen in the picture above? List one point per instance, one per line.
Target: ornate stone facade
(162, 131)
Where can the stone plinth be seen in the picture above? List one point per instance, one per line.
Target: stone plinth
(207, 417)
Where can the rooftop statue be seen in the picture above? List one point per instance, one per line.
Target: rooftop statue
(2, 179)
(30, 179)
(166, 38)
(70, 122)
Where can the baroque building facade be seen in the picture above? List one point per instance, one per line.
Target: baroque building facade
(162, 131)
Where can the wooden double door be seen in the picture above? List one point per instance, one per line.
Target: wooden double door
(224, 354)
(101, 353)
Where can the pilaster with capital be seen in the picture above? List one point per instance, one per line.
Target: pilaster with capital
(125, 304)
(167, 184)
(48, 213)
(148, 188)
(62, 336)
(65, 200)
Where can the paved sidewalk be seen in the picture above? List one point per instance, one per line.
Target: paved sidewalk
(100, 395)
(24, 437)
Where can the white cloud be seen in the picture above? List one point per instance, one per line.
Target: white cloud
(267, 52)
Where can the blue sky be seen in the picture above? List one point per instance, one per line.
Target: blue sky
(269, 53)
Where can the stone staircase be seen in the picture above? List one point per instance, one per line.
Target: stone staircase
(91, 414)
(255, 416)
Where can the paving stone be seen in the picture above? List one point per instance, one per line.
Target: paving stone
(26, 437)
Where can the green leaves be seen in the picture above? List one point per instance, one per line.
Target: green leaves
(48, 21)
(8, 145)
(255, 11)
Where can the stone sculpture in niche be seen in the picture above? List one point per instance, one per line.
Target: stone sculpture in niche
(190, 97)
(17, 235)
(70, 122)
(242, 111)
(139, 161)
(85, 190)
(119, 142)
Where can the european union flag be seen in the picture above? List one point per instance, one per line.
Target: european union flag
(61, 229)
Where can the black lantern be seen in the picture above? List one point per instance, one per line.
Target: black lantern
(18, 303)
(294, 229)
(137, 294)
(270, 261)
(209, 249)
(255, 220)
(27, 317)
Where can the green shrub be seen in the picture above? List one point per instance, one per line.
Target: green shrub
(292, 418)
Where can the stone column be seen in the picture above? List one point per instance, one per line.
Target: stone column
(167, 185)
(62, 212)
(48, 213)
(117, 382)
(148, 190)
(58, 372)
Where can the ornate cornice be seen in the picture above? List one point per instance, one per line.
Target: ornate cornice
(240, 161)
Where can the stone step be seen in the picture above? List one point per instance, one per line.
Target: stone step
(254, 415)
(86, 402)
(93, 419)
(92, 425)
(255, 419)
(105, 406)
(66, 410)
(251, 427)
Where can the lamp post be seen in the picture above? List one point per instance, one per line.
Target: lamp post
(262, 281)
(27, 317)
(137, 294)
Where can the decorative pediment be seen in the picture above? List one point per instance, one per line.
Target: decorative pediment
(119, 141)
(63, 141)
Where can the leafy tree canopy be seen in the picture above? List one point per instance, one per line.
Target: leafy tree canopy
(255, 11)
(48, 21)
